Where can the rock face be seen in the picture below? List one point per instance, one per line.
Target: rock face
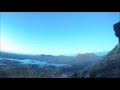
(117, 30)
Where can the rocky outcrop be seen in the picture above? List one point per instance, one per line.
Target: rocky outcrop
(117, 30)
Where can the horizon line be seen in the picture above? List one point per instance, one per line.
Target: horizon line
(70, 54)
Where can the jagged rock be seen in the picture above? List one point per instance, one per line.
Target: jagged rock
(117, 30)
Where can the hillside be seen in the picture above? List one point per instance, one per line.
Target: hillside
(107, 67)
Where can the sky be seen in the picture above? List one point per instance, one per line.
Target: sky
(57, 33)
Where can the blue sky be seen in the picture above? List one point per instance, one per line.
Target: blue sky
(57, 32)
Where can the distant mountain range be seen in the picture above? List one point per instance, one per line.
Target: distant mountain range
(102, 53)
(80, 58)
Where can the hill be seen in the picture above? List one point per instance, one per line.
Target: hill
(107, 67)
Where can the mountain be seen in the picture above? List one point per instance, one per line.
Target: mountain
(107, 67)
(82, 61)
(87, 57)
(102, 53)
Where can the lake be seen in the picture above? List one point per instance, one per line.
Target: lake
(35, 62)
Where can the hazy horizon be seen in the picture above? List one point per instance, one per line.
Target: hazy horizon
(58, 33)
(66, 54)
